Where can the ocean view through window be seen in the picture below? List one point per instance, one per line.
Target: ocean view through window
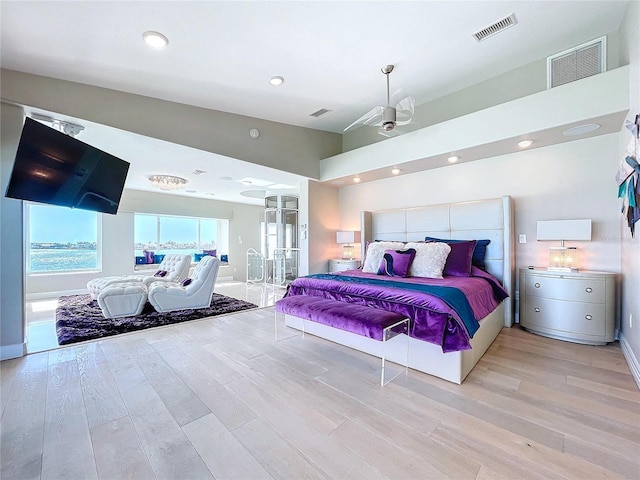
(61, 239)
(173, 234)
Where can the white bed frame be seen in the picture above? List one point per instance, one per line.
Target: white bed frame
(492, 219)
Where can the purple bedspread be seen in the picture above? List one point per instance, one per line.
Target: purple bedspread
(432, 320)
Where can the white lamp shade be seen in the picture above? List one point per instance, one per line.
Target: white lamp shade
(347, 237)
(564, 229)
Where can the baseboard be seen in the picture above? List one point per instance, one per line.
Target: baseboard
(59, 293)
(13, 351)
(631, 358)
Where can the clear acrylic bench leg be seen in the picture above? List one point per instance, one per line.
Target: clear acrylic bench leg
(398, 332)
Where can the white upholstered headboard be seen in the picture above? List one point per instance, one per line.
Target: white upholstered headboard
(483, 219)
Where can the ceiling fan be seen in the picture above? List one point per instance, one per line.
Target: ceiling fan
(388, 117)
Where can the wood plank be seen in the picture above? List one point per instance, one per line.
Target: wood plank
(118, 451)
(275, 453)
(22, 425)
(66, 428)
(222, 452)
(315, 445)
(102, 399)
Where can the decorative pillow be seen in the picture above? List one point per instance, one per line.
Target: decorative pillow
(459, 260)
(479, 251)
(396, 263)
(429, 260)
(374, 254)
(160, 273)
(186, 282)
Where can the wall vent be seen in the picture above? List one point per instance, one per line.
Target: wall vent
(320, 112)
(497, 27)
(579, 62)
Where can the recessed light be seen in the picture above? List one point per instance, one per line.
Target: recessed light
(581, 129)
(210, 194)
(356, 179)
(226, 179)
(198, 172)
(191, 191)
(453, 159)
(276, 81)
(254, 133)
(395, 171)
(246, 182)
(525, 143)
(155, 39)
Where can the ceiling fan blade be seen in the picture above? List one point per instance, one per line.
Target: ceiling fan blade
(371, 118)
(405, 106)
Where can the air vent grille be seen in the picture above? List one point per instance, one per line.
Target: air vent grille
(497, 27)
(320, 112)
(577, 63)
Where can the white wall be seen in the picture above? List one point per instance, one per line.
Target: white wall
(11, 244)
(118, 238)
(571, 180)
(630, 336)
(319, 211)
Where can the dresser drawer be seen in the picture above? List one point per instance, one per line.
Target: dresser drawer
(565, 317)
(590, 290)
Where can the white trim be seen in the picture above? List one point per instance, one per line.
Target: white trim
(60, 293)
(13, 351)
(631, 358)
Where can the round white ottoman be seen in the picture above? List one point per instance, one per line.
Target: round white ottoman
(123, 299)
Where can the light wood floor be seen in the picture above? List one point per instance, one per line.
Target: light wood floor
(221, 399)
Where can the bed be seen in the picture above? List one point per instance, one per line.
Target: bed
(443, 340)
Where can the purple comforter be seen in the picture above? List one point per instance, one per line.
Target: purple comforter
(432, 319)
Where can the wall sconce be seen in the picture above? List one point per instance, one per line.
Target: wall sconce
(347, 239)
(563, 258)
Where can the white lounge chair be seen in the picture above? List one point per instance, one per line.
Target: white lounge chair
(195, 292)
(175, 265)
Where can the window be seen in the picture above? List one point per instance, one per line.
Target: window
(169, 234)
(61, 239)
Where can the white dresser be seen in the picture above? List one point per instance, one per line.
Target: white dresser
(340, 265)
(574, 306)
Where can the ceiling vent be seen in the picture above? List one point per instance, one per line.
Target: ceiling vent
(579, 62)
(320, 112)
(497, 27)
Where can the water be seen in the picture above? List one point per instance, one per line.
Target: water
(49, 260)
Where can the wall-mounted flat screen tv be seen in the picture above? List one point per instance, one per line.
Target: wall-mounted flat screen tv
(54, 168)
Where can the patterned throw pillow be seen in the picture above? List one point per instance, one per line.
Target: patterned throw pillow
(374, 254)
(396, 263)
(186, 281)
(160, 273)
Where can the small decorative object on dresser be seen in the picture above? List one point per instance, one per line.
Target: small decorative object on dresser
(340, 265)
(572, 306)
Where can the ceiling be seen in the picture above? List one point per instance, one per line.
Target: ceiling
(221, 56)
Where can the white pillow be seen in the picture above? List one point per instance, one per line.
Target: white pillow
(375, 252)
(429, 260)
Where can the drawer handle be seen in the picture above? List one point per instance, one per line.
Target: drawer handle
(588, 317)
(537, 309)
(537, 285)
(588, 289)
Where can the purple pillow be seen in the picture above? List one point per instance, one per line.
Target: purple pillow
(160, 273)
(186, 282)
(396, 263)
(460, 259)
(478, 253)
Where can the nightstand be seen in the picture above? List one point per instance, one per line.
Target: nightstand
(572, 306)
(340, 265)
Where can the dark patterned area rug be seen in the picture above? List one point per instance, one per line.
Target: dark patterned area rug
(79, 318)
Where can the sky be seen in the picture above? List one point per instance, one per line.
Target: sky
(63, 224)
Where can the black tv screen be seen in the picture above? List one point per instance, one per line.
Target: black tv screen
(54, 168)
